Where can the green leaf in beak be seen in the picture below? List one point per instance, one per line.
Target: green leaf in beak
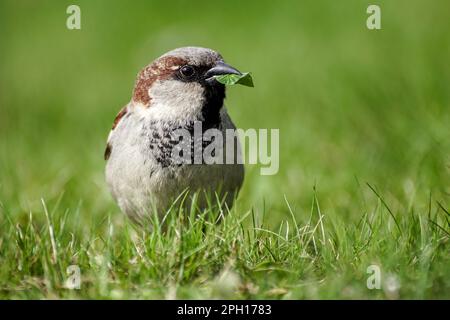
(230, 79)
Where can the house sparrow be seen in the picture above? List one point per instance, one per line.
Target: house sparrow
(173, 92)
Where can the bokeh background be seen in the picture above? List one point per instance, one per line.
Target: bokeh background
(353, 105)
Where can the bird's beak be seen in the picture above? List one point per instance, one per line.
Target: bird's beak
(220, 68)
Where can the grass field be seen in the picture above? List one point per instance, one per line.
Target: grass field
(364, 179)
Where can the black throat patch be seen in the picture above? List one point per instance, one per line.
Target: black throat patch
(213, 94)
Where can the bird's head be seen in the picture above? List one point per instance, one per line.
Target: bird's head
(181, 83)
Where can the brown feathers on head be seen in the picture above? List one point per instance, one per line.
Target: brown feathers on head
(161, 69)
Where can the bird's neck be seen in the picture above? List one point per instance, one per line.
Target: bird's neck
(212, 104)
(175, 110)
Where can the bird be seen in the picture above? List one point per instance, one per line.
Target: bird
(175, 91)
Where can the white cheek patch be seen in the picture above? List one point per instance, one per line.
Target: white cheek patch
(175, 100)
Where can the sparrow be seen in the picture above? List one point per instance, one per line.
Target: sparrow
(174, 92)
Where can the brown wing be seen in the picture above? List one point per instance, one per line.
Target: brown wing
(119, 116)
(107, 151)
(117, 119)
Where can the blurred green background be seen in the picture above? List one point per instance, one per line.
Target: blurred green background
(352, 105)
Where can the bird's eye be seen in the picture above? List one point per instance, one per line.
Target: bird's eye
(187, 71)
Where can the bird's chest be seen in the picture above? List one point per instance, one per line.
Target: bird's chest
(175, 145)
(161, 155)
(144, 162)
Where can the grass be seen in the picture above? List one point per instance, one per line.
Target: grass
(196, 258)
(364, 152)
